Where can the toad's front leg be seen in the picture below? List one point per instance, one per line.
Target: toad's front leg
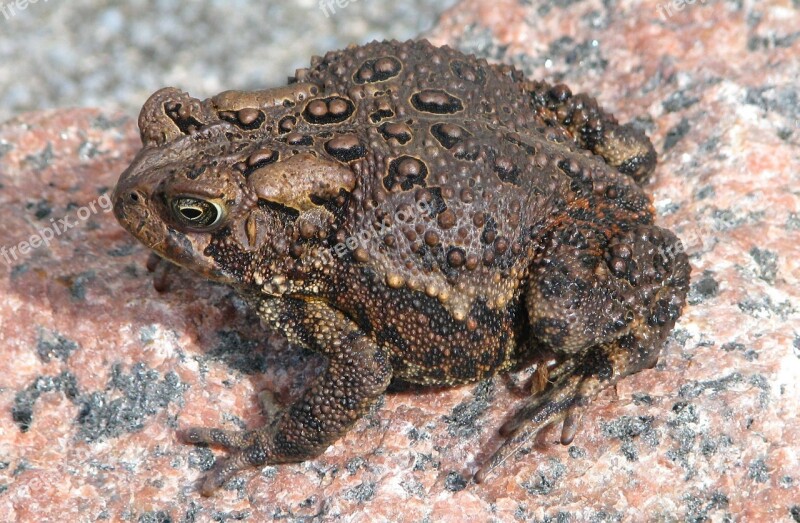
(358, 373)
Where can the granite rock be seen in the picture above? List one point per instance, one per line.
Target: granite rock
(100, 369)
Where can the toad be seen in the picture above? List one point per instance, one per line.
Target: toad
(413, 213)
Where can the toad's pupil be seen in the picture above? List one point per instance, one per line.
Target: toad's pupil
(191, 213)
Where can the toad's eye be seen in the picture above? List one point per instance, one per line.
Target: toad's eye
(197, 213)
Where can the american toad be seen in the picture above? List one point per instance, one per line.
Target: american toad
(410, 212)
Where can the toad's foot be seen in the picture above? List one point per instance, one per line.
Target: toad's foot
(573, 386)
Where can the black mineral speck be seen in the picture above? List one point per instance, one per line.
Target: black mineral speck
(462, 421)
(679, 100)
(25, 400)
(455, 482)
(244, 355)
(77, 283)
(794, 511)
(703, 289)
(675, 134)
(156, 516)
(576, 452)
(626, 429)
(694, 388)
(732, 346)
(233, 515)
(545, 480)
(103, 123)
(88, 150)
(5, 147)
(127, 401)
(641, 398)
(782, 100)
(709, 445)
(41, 209)
(793, 221)
(54, 345)
(700, 507)
(683, 430)
(362, 492)
(41, 160)
(764, 307)
(757, 471)
(705, 192)
(190, 516)
(123, 250)
(354, 464)
(767, 262)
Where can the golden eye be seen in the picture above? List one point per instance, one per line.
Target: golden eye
(194, 212)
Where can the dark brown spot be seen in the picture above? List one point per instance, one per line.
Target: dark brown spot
(334, 109)
(447, 219)
(432, 238)
(378, 70)
(260, 158)
(247, 118)
(249, 115)
(182, 117)
(560, 93)
(456, 257)
(195, 172)
(506, 170)
(317, 108)
(448, 134)
(501, 245)
(406, 171)
(468, 72)
(297, 249)
(384, 110)
(436, 101)
(345, 148)
(286, 124)
(469, 149)
(299, 139)
(307, 230)
(399, 131)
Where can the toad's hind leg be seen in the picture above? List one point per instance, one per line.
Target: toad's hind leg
(605, 308)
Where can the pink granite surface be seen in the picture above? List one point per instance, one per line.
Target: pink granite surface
(99, 369)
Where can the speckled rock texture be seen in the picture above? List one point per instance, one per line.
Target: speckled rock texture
(100, 369)
(116, 52)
